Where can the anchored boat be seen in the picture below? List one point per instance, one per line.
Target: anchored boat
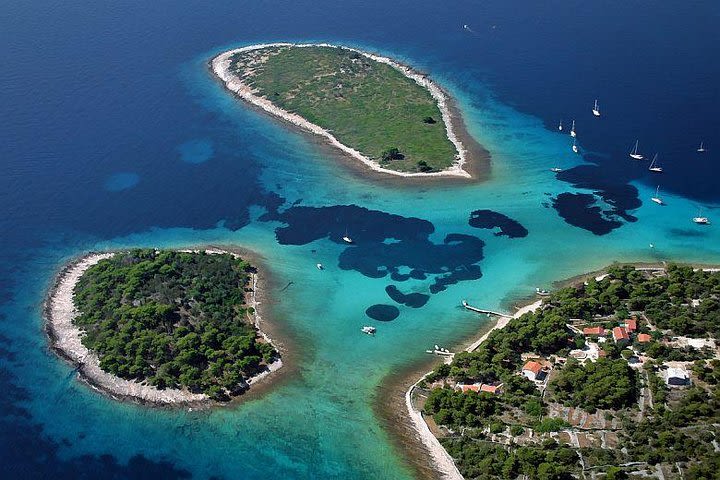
(634, 154)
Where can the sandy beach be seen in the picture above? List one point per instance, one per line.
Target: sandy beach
(65, 339)
(220, 66)
(442, 461)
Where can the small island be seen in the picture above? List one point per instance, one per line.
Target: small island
(392, 118)
(616, 376)
(161, 326)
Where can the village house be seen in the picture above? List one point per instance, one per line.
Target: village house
(532, 370)
(644, 338)
(594, 331)
(480, 387)
(620, 335)
(631, 325)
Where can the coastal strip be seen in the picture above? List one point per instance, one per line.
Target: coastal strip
(221, 67)
(59, 312)
(442, 460)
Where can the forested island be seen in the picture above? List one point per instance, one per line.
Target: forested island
(375, 109)
(616, 377)
(162, 321)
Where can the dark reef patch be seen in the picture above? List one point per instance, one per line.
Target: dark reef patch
(490, 219)
(620, 198)
(413, 300)
(384, 244)
(382, 313)
(580, 210)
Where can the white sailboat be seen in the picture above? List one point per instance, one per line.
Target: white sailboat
(556, 170)
(596, 109)
(700, 220)
(560, 126)
(572, 130)
(634, 154)
(346, 238)
(701, 148)
(574, 146)
(653, 165)
(657, 198)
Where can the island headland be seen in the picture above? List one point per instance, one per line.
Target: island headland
(616, 374)
(161, 327)
(393, 119)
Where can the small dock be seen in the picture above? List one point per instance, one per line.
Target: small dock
(482, 310)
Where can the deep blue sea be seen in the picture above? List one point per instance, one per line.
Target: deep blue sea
(113, 134)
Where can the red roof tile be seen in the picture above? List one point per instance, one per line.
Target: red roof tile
(631, 324)
(469, 388)
(619, 333)
(489, 388)
(594, 331)
(644, 338)
(532, 367)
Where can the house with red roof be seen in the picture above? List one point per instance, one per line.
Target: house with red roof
(620, 335)
(531, 370)
(594, 331)
(644, 338)
(477, 388)
(631, 325)
(468, 388)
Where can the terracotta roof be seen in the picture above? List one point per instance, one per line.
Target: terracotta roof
(631, 324)
(644, 338)
(469, 388)
(489, 388)
(619, 333)
(532, 367)
(594, 331)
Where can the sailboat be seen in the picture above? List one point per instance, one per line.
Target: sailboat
(556, 170)
(572, 130)
(596, 109)
(657, 198)
(700, 219)
(346, 238)
(574, 146)
(634, 154)
(701, 148)
(560, 126)
(653, 167)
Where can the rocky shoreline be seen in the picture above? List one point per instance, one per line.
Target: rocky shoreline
(65, 339)
(220, 67)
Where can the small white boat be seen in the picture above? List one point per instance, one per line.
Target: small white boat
(634, 154)
(596, 109)
(346, 238)
(560, 126)
(701, 148)
(653, 165)
(320, 266)
(657, 198)
(369, 330)
(572, 130)
(556, 169)
(574, 146)
(700, 220)
(542, 292)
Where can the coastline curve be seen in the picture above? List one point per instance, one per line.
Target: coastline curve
(65, 339)
(220, 65)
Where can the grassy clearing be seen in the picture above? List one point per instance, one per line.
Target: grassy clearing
(367, 105)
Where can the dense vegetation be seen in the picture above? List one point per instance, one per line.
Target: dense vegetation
(368, 105)
(173, 319)
(487, 434)
(607, 383)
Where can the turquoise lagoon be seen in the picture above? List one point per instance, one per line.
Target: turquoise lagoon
(206, 170)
